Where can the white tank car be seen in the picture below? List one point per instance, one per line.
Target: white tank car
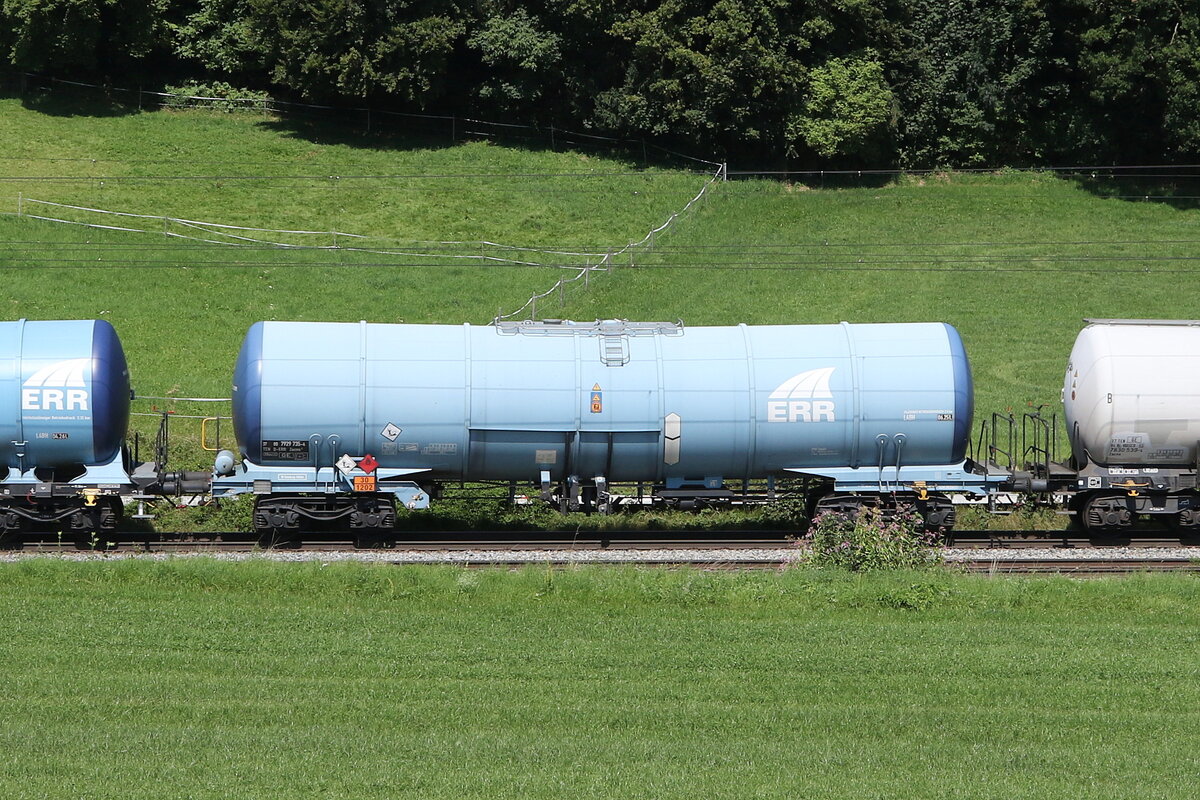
(1132, 392)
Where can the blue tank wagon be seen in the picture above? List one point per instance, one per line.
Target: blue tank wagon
(340, 421)
(64, 410)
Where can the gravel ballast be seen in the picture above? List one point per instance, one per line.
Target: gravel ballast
(611, 556)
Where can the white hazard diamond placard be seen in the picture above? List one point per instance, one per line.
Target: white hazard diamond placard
(346, 463)
(390, 432)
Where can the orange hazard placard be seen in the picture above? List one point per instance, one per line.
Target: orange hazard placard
(364, 483)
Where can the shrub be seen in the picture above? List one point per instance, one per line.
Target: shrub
(872, 539)
(220, 96)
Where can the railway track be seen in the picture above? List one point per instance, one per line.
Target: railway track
(436, 541)
(1084, 567)
(714, 550)
(586, 540)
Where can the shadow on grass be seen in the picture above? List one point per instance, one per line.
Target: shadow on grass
(378, 130)
(1179, 189)
(373, 129)
(59, 103)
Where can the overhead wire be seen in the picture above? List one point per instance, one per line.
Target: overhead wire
(194, 244)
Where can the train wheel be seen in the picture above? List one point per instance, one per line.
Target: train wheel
(276, 523)
(94, 526)
(10, 530)
(1108, 514)
(373, 523)
(938, 513)
(846, 504)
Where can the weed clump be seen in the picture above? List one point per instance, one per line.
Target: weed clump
(870, 540)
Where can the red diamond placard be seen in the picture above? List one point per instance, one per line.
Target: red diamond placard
(368, 463)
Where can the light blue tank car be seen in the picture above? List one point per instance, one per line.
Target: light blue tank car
(578, 406)
(64, 409)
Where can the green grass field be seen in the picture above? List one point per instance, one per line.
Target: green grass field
(182, 306)
(203, 680)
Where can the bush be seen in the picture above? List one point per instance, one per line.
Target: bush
(218, 95)
(873, 539)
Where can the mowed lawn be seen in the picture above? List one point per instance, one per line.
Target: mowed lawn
(197, 679)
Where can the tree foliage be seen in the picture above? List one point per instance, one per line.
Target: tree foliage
(95, 37)
(848, 108)
(520, 59)
(918, 83)
(328, 49)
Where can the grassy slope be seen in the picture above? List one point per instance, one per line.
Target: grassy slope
(194, 679)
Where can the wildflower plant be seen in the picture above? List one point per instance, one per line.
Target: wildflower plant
(871, 539)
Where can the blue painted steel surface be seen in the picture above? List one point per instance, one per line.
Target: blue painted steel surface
(671, 405)
(964, 393)
(64, 394)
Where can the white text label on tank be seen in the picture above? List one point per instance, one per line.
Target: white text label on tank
(803, 398)
(57, 387)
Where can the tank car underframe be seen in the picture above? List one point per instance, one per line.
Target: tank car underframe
(1110, 499)
(887, 480)
(279, 518)
(74, 513)
(1114, 512)
(251, 478)
(88, 503)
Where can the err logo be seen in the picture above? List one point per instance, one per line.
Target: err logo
(803, 398)
(58, 387)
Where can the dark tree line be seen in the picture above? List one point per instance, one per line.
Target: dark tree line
(916, 83)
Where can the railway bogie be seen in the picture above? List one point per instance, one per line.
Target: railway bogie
(370, 518)
(936, 512)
